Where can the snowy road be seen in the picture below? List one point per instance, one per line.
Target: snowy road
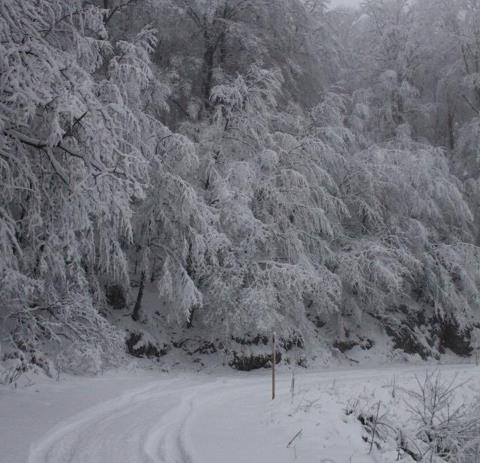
(142, 426)
(231, 419)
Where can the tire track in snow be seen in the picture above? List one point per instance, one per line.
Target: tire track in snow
(165, 443)
(169, 440)
(148, 425)
(41, 451)
(137, 427)
(154, 424)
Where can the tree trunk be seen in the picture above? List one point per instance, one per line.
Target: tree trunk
(451, 129)
(207, 73)
(223, 49)
(191, 313)
(138, 302)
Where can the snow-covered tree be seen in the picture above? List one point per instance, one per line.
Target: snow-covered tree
(72, 160)
(264, 165)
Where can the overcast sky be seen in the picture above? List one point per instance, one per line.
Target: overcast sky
(345, 2)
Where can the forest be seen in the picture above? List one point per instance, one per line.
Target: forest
(219, 170)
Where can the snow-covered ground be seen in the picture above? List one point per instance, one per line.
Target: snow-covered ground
(227, 417)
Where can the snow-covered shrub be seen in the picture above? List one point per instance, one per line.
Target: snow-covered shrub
(444, 426)
(11, 370)
(80, 359)
(429, 422)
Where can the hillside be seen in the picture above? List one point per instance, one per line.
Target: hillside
(192, 176)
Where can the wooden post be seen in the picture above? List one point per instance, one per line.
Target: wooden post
(273, 365)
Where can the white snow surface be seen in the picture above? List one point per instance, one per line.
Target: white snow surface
(222, 417)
